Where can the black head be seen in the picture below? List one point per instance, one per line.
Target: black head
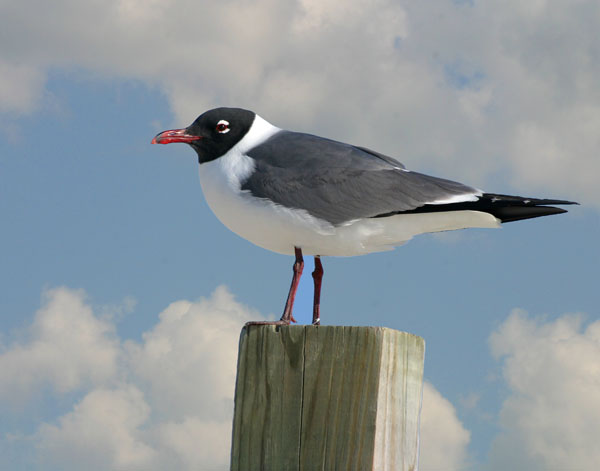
(213, 133)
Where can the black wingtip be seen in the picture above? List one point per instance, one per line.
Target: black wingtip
(516, 208)
(506, 208)
(518, 213)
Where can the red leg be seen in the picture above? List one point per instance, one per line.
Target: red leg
(287, 316)
(289, 304)
(317, 277)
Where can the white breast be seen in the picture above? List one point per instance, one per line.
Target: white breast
(260, 221)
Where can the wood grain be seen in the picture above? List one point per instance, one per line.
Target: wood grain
(327, 398)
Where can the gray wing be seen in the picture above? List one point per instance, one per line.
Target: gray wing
(339, 182)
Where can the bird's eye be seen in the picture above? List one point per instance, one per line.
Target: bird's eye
(223, 127)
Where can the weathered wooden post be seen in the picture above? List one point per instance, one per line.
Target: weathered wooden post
(327, 398)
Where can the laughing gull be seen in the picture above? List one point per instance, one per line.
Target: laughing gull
(291, 192)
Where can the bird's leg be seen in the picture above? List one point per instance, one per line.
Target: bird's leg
(287, 317)
(317, 277)
(289, 304)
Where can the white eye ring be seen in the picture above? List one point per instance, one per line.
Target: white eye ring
(223, 127)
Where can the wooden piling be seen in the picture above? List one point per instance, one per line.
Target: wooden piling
(327, 398)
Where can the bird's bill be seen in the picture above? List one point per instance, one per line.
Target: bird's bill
(174, 135)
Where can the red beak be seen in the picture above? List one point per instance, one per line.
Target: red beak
(174, 135)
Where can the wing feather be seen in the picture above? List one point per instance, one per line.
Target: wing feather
(339, 182)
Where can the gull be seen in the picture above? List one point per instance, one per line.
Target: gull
(295, 193)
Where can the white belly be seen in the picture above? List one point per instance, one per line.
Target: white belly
(279, 229)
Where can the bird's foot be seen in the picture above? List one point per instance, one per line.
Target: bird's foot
(279, 322)
(282, 321)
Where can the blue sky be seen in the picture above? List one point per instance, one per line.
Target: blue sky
(102, 232)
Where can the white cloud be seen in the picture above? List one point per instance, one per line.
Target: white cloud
(444, 439)
(470, 88)
(551, 417)
(194, 444)
(192, 351)
(67, 348)
(102, 432)
(163, 403)
(21, 87)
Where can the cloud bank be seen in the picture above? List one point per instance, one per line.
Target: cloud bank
(444, 440)
(471, 89)
(551, 417)
(163, 403)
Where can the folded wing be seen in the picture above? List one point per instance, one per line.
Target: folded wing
(340, 183)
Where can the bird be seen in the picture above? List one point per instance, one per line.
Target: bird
(296, 193)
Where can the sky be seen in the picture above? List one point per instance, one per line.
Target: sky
(122, 296)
